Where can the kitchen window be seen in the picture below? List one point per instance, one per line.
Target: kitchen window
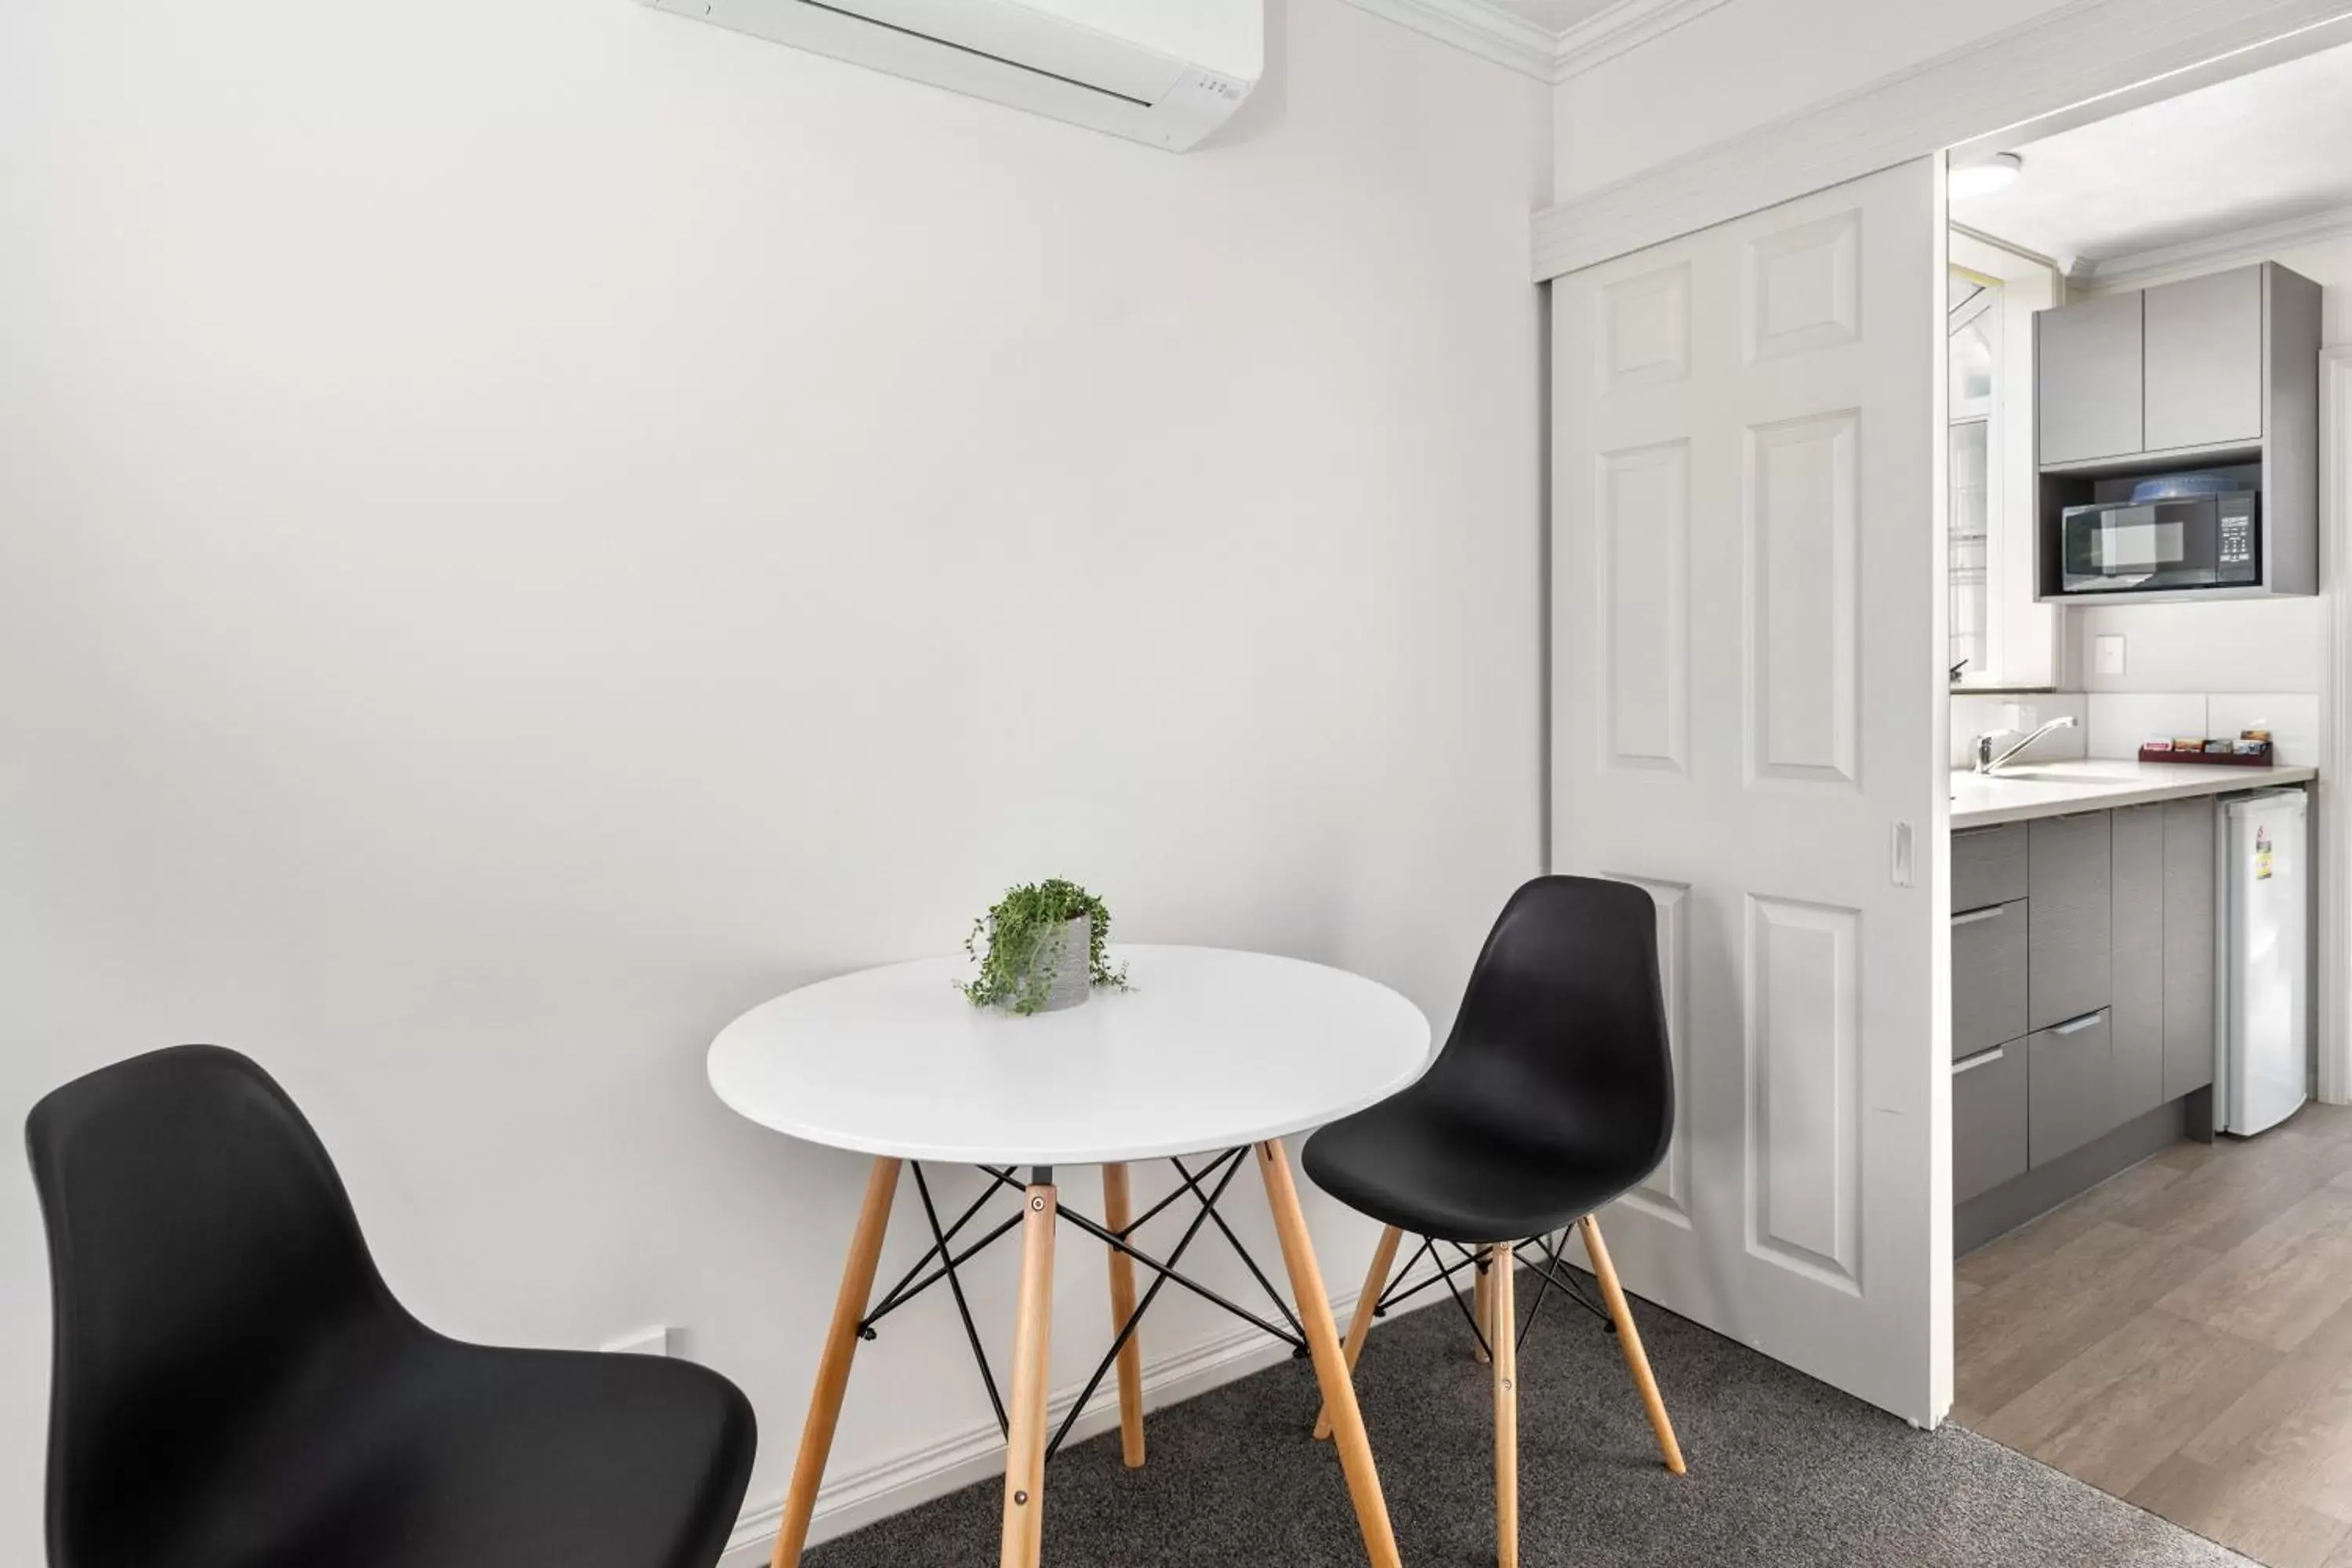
(1975, 318)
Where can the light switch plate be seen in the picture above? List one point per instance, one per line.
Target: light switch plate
(2107, 653)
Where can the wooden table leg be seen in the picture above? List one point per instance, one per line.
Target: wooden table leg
(1330, 1362)
(1024, 1444)
(1503, 1330)
(1376, 1279)
(832, 1367)
(1116, 1213)
(1629, 1339)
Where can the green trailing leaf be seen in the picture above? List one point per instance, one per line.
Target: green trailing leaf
(1023, 933)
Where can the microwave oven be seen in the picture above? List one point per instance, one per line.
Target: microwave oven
(2161, 543)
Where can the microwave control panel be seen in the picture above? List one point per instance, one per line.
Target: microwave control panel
(2236, 545)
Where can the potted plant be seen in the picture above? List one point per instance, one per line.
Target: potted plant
(1045, 949)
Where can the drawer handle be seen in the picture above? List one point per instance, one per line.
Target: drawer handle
(1975, 915)
(1982, 1059)
(2076, 1025)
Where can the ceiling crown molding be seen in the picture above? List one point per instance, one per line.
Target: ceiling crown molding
(1487, 33)
(1625, 25)
(2191, 256)
(1538, 51)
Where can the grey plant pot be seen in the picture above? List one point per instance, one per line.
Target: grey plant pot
(1071, 958)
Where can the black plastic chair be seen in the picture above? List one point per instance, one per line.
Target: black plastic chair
(1554, 1095)
(234, 1385)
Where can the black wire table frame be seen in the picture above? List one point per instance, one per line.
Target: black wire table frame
(942, 1263)
(1020, 1400)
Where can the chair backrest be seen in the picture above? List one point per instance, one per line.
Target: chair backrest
(1561, 1043)
(200, 1247)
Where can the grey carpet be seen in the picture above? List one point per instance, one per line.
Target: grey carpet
(1783, 1472)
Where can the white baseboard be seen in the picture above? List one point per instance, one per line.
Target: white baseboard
(857, 1499)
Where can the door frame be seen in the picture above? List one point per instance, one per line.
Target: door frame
(2334, 788)
(2002, 88)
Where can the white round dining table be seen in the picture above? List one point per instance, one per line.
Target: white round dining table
(1210, 1052)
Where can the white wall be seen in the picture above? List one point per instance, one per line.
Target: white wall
(2257, 646)
(530, 528)
(1744, 65)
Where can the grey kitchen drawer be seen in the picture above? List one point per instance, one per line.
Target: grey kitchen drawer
(2189, 916)
(1989, 1131)
(2070, 1086)
(1988, 977)
(2070, 919)
(1987, 866)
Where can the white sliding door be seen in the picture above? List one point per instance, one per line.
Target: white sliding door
(1748, 719)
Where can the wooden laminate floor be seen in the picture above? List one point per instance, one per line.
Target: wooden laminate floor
(2181, 1338)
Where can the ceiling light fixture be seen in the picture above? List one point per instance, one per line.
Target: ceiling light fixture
(1995, 174)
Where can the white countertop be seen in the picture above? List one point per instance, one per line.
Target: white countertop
(2026, 790)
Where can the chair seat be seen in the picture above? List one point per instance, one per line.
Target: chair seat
(428, 1453)
(1414, 1162)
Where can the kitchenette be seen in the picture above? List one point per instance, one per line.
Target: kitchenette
(2131, 882)
(2150, 462)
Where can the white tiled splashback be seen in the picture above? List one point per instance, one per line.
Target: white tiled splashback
(2120, 720)
(2114, 723)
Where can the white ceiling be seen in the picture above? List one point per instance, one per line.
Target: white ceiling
(2267, 148)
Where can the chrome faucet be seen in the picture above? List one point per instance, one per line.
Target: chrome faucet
(1987, 763)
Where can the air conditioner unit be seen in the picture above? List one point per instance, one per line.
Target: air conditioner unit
(1166, 72)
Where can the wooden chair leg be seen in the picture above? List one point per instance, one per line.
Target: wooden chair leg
(1629, 1339)
(1482, 1308)
(1116, 1209)
(832, 1367)
(1502, 1325)
(1376, 1279)
(1025, 1441)
(1330, 1361)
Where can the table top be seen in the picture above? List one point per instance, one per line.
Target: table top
(1211, 1049)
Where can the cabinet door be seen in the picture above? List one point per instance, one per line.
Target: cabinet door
(2087, 379)
(1988, 977)
(1987, 866)
(2070, 1086)
(2135, 1016)
(2068, 918)
(2188, 918)
(2203, 343)
(1987, 1119)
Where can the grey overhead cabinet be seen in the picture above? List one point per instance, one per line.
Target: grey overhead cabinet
(2089, 379)
(2212, 375)
(2203, 383)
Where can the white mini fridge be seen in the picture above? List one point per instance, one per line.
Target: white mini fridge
(2263, 1000)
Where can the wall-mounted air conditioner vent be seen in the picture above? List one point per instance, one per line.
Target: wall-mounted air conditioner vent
(1166, 72)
